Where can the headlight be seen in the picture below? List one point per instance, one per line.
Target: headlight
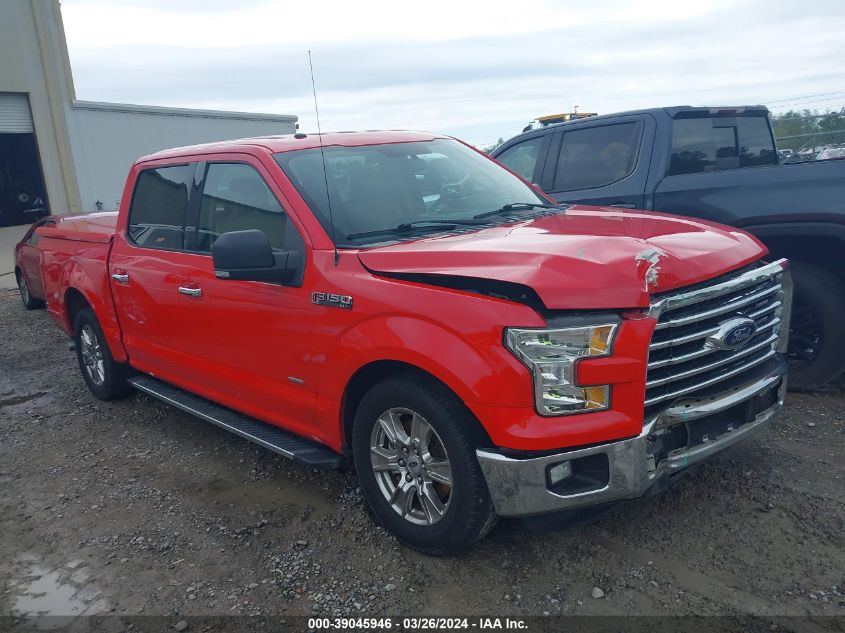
(551, 354)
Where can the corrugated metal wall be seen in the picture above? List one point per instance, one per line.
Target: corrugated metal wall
(14, 114)
(106, 140)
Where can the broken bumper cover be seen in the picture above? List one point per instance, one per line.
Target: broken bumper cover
(630, 468)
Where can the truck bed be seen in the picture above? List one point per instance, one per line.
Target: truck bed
(93, 227)
(748, 198)
(74, 255)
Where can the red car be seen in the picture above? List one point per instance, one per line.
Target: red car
(402, 302)
(28, 266)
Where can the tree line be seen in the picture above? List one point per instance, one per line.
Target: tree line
(797, 122)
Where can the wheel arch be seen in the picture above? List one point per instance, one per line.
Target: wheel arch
(76, 299)
(474, 366)
(74, 302)
(809, 242)
(374, 372)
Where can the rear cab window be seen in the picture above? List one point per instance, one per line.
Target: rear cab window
(705, 144)
(159, 207)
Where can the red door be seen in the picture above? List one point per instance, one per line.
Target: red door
(149, 264)
(249, 340)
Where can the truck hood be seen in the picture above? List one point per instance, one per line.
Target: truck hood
(583, 258)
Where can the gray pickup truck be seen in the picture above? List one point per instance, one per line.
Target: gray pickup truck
(719, 164)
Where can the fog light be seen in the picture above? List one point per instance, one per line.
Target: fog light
(559, 472)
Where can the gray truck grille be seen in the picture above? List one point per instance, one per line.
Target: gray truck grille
(683, 362)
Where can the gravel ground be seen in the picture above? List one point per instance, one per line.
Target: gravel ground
(132, 507)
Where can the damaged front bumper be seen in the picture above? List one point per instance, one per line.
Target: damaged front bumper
(688, 432)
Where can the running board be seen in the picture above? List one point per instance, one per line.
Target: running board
(270, 437)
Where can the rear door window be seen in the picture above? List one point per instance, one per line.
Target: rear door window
(522, 157)
(236, 198)
(159, 207)
(597, 156)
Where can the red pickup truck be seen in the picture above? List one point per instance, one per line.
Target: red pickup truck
(402, 302)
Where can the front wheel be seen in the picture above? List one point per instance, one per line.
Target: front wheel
(105, 377)
(414, 450)
(816, 337)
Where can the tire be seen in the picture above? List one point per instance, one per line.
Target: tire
(465, 514)
(816, 337)
(29, 302)
(106, 378)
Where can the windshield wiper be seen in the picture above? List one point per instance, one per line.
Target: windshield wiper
(476, 220)
(407, 227)
(515, 206)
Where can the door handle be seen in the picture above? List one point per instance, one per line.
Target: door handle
(122, 279)
(191, 292)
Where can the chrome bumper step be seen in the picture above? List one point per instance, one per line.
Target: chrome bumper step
(270, 437)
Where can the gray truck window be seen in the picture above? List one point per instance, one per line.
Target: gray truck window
(597, 156)
(235, 198)
(698, 146)
(522, 157)
(756, 143)
(159, 206)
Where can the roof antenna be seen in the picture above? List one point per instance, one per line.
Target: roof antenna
(323, 157)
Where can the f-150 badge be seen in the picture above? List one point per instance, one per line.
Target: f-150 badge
(331, 300)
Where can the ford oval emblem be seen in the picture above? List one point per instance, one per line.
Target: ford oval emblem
(733, 334)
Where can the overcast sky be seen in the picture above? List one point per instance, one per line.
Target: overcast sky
(478, 70)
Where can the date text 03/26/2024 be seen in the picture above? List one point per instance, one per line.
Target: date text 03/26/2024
(410, 623)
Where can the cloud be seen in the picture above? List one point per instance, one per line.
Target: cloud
(475, 70)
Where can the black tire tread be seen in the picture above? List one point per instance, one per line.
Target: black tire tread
(32, 304)
(116, 384)
(828, 292)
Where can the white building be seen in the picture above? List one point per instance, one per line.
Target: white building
(61, 155)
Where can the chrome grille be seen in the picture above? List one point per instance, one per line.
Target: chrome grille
(681, 360)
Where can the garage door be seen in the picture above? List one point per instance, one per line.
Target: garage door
(14, 114)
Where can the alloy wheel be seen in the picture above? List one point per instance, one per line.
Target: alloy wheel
(92, 355)
(24, 289)
(411, 466)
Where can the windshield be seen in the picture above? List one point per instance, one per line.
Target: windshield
(377, 187)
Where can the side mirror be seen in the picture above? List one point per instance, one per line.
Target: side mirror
(248, 256)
